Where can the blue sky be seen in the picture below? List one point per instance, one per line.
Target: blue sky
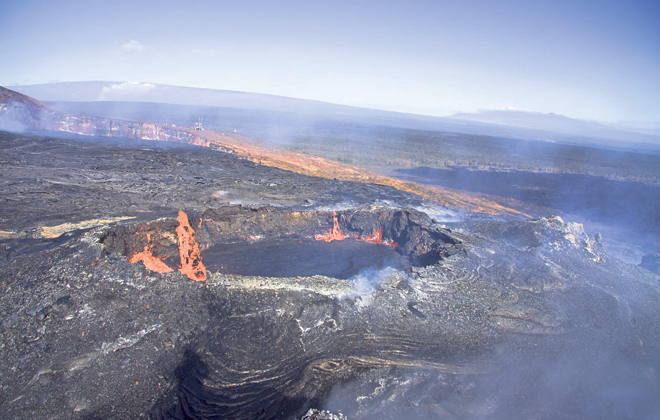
(586, 59)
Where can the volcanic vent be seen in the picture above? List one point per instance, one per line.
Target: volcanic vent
(271, 242)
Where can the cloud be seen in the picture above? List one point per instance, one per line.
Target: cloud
(125, 91)
(132, 46)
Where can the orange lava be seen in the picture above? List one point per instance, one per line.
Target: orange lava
(335, 234)
(267, 154)
(191, 259)
(152, 263)
(376, 238)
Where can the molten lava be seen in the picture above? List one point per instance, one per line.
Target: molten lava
(376, 238)
(335, 234)
(40, 116)
(191, 259)
(150, 262)
(269, 242)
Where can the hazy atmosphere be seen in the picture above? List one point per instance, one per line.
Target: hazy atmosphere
(585, 59)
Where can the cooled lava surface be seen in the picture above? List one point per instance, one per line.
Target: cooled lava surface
(116, 302)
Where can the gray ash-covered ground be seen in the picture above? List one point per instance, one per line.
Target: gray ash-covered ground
(48, 181)
(508, 320)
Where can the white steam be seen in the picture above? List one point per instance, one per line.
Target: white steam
(366, 282)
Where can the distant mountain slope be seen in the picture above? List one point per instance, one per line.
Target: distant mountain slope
(520, 125)
(556, 123)
(523, 119)
(167, 94)
(19, 111)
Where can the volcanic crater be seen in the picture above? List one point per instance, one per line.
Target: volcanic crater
(271, 242)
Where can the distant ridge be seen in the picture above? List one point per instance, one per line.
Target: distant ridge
(180, 95)
(512, 124)
(19, 111)
(553, 122)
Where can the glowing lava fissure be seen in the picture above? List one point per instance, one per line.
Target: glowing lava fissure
(191, 259)
(336, 234)
(165, 244)
(152, 263)
(376, 238)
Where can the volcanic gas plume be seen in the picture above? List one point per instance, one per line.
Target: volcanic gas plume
(489, 319)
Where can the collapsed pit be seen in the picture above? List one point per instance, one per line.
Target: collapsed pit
(301, 257)
(270, 242)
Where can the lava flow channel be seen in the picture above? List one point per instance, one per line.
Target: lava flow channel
(191, 259)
